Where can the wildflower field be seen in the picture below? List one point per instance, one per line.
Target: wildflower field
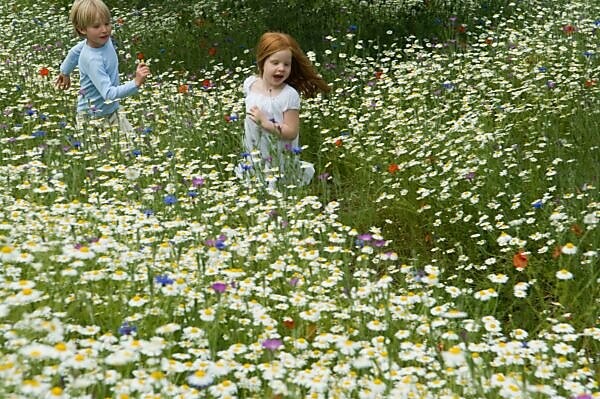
(447, 247)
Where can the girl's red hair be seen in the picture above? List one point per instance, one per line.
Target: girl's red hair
(303, 76)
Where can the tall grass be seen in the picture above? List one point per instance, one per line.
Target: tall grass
(447, 247)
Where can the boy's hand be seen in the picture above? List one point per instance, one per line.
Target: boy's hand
(142, 71)
(63, 81)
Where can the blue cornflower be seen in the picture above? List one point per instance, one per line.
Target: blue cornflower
(127, 329)
(136, 152)
(542, 69)
(39, 133)
(164, 280)
(170, 199)
(220, 244)
(448, 85)
(537, 204)
(147, 130)
(419, 275)
(296, 150)
(148, 212)
(192, 193)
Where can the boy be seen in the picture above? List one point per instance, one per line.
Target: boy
(98, 67)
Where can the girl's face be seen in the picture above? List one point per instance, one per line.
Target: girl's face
(277, 68)
(98, 33)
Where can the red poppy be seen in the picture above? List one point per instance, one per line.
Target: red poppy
(339, 143)
(520, 260)
(183, 89)
(44, 71)
(212, 51)
(120, 21)
(590, 82)
(378, 74)
(569, 29)
(393, 168)
(427, 238)
(140, 56)
(577, 230)
(206, 83)
(556, 252)
(461, 29)
(289, 323)
(489, 41)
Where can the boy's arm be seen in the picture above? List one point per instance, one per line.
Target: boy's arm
(72, 58)
(63, 80)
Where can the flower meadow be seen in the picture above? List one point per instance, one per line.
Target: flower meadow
(447, 247)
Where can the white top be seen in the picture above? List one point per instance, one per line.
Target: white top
(273, 107)
(275, 150)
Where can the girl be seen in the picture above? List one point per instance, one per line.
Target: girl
(273, 102)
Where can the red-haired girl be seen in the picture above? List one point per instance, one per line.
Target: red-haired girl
(272, 100)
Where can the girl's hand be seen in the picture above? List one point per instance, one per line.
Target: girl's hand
(63, 81)
(142, 71)
(256, 115)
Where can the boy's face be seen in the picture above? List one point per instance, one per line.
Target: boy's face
(98, 33)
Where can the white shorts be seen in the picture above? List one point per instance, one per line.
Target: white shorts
(116, 119)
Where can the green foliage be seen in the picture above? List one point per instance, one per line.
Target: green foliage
(197, 33)
(453, 215)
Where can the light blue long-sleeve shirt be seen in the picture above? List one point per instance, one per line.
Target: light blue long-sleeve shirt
(98, 77)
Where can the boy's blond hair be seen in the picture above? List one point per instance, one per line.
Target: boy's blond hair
(85, 13)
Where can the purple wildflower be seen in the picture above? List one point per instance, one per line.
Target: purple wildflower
(219, 287)
(272, 344)
(197, 181)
